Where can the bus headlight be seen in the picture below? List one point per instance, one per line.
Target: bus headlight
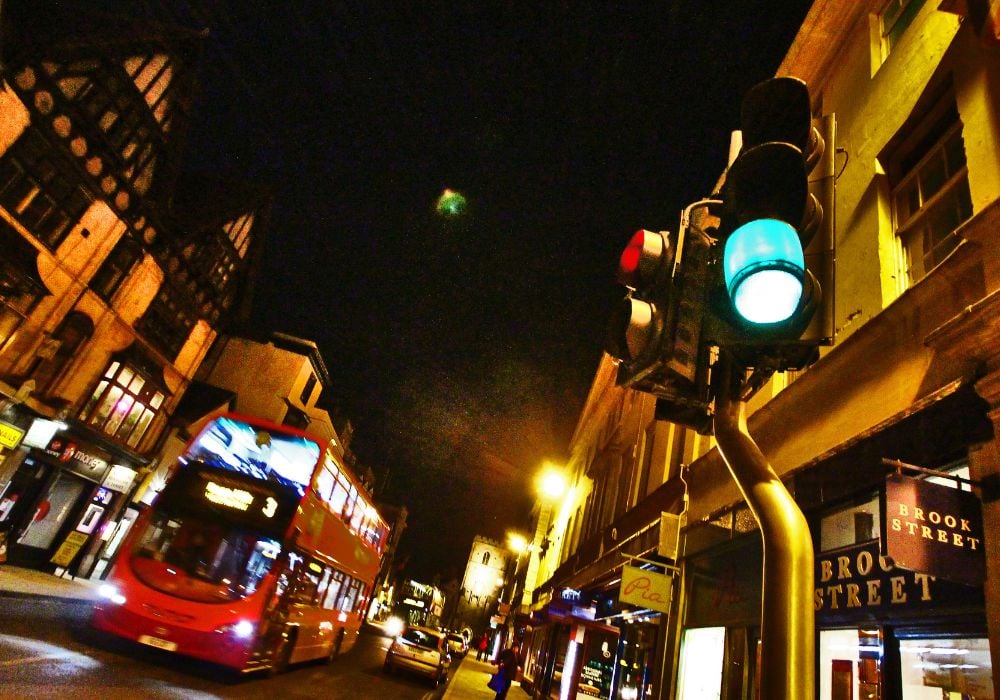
(111, 593)
(241, 630)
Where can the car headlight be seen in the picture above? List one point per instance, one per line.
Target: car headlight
(393, 626)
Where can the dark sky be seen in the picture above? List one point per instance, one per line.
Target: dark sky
(463, 348)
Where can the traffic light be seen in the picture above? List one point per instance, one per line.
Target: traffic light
(766, 289)
(655, 332)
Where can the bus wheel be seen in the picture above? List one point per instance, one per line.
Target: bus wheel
(280, 655)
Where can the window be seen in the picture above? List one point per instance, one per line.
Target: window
(307, 390)
(353, 596)
(701, 663)
(20, 286)
(39, 187)
(166, 324)
(102, 91)
(238, 232)
(71, 334)
(296, 417)
(115, 268)
(308, 584)
(930, 187)
(333, 586)
(894, 18)
(124, 403)
(851, 525)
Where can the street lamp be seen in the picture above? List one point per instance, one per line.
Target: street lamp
(518, 544)
(551, 483)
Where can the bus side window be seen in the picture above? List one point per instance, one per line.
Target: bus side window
(350, 596)
(307, 585)
(333, 590)
(324, 584)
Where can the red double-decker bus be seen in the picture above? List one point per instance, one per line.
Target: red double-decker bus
(260, 551)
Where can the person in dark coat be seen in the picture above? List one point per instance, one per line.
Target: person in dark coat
(507, 669)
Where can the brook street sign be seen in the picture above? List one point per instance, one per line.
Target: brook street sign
(933, 529)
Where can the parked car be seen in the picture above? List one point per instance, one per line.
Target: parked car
(457, 644)
(420, 650)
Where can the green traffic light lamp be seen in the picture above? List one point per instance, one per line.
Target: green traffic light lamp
(764, 269)
(763, 261)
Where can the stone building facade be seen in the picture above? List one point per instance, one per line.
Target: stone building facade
(911, 379)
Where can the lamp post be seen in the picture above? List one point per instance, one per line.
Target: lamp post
(551, 486)
(517, 543)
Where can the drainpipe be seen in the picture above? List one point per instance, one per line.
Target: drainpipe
(787, 631)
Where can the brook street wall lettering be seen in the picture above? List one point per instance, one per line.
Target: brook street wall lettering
(857, 582)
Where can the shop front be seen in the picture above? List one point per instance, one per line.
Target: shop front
(902, 615)
(882, 630)
(62, 494)
(568, 655)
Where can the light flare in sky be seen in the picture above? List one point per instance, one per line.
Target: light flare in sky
(450, 203)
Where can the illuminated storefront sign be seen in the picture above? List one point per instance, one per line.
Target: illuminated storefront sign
(42, 431)
(934, 529)
(645, 589)
(856, 582)
(119, 478)
(10, 435)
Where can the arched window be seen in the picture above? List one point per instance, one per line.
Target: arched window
(55, 354)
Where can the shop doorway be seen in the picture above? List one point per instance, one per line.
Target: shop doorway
(51, 511)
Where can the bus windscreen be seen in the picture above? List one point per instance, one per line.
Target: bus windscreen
(213, 535)
(249, 449)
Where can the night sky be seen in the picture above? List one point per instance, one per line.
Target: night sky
(463, 347)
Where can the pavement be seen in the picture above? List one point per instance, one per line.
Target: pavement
(468, 680)
(19, 582)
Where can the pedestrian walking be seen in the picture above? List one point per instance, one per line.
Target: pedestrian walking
(506, 670)
(482, 648)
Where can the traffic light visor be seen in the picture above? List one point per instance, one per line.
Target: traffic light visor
(764, 267)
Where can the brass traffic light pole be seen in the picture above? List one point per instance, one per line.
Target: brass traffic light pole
(787, 632)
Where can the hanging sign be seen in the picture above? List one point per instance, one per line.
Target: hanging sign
(645, 589)
(933, 529)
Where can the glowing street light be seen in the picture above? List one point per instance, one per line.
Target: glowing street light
(517, 542)
(551, 483)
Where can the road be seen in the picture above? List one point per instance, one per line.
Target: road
(47, 650)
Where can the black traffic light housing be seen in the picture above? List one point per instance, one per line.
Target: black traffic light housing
(772, 226)
(655, 332)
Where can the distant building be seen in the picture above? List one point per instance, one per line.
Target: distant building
(280, 379)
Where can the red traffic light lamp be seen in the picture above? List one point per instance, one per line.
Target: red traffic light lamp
(655, 332)
(637, 327)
